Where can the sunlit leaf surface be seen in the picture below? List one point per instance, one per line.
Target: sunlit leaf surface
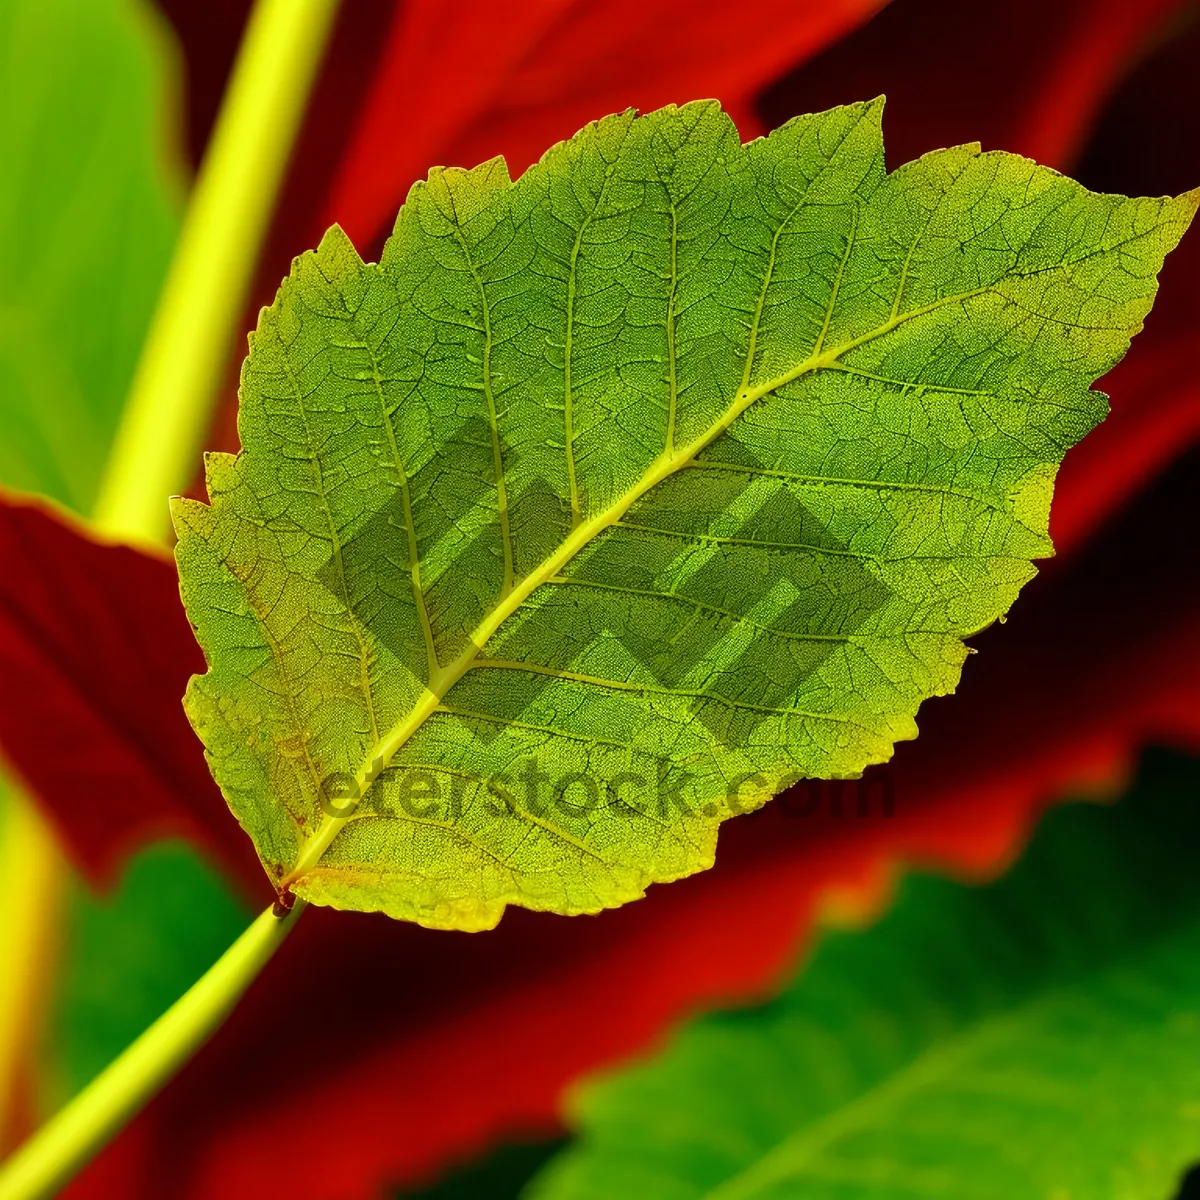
(616, 499)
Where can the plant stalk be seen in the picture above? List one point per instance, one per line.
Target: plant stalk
(186, 351)
(32, 869)
(74, 1135)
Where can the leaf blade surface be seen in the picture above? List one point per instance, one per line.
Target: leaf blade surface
(674, 464)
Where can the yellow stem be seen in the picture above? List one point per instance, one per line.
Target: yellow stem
(69, 1139)
(187, 349)
(32, 869)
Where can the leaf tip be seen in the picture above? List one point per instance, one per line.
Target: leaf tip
(185, 515)
(1189, 202)
(336, 247)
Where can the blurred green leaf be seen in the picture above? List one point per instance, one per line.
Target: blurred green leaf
(1037, 1037)
(88, 216)
(132, 954)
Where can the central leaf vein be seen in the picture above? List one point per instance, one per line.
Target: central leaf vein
(582, 535)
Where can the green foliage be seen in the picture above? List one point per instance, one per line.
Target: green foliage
(1038, 1037)
(86, 227)
(616, 498)
(132, 954)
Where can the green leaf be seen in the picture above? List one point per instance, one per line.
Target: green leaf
(132, 954)
(617, 498)
(87, 221)
(1038, 1037)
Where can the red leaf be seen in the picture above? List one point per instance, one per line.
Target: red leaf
(458, 86)
(1022, 75)
(95, 651)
